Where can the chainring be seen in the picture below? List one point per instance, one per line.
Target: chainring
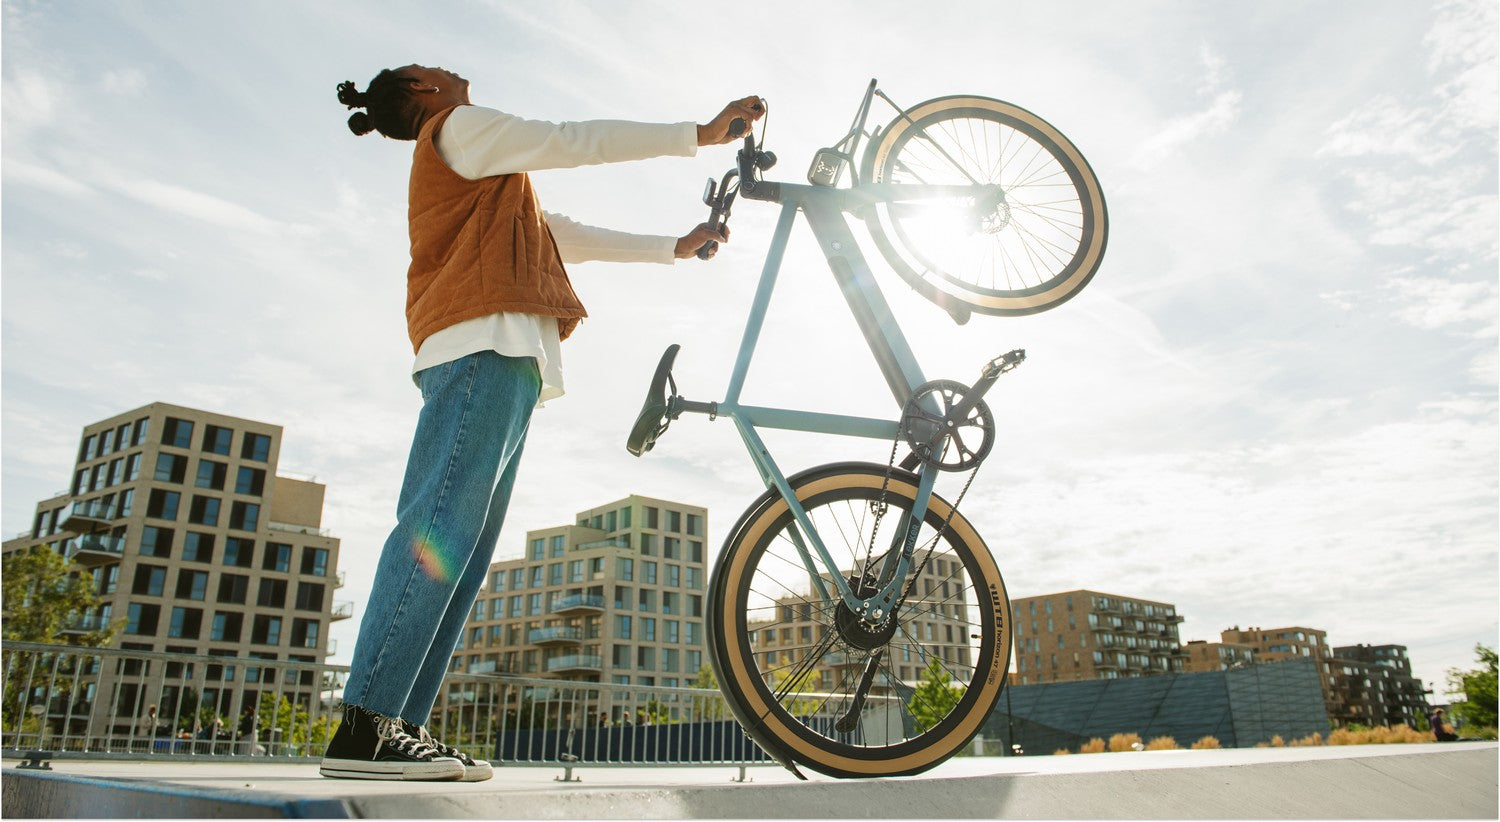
(947, 445)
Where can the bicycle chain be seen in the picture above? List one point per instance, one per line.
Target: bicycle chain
(879, 508)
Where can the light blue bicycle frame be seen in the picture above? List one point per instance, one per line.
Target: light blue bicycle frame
(824, 209)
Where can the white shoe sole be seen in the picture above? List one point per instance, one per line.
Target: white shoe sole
(478, 772)
(438, 770)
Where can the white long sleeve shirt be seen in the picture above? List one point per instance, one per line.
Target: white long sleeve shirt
(481, 142)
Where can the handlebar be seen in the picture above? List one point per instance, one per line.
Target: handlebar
(720, 198)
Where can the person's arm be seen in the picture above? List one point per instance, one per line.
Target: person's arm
(578, 242)
(481, 142)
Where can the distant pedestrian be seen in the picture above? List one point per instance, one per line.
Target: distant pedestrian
(1440, 727)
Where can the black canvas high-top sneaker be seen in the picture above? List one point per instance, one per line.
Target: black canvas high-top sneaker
(475, 770)
(370, 746)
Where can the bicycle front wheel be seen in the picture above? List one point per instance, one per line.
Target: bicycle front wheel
(1028, 252)
(810, 682)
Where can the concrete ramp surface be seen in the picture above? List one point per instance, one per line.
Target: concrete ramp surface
(1449, 781)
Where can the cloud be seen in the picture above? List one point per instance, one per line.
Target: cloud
(1188, 128)
(128, 82)
(1432, 303)
(195, 204)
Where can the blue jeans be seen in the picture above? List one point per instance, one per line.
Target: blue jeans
(475, 412)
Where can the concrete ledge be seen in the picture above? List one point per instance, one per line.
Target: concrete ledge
(1366, 782)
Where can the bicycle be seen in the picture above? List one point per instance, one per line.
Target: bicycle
(841, 581)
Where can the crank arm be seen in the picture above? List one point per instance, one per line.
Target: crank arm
(850, 719)
(987, 376)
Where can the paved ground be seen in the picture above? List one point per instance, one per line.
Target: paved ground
(1398, 781)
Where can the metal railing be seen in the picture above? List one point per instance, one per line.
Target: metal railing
(98, 703)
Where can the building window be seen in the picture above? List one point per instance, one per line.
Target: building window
(671, 548)
(204, 510)
(170, 468)
(555, 573)
(648, 545)
(216, 439)
(674, 521)
(198, 547)
(648, 573)
(538, 549)
(622, 597)
(150, 580)
(315, 561)
(674, 576)
(646, 601)
(534, 604)
(305, 633)
(132, 467)
(233, 588)
(163, 504)
(622, 626)
(256, 447)
(142, 427)
(177, 433)
(85, 451)
(695, 525)
(192, 585)
(141, 619)
(272, 593)
(226, 627)
(648, 629)
(266, 631)
(238, 551)
(186, 623)
(651, 517)
(559, 542)
(250, 481)
(537, 573)
(211, 475)
(625, 517)
(310, 596)
(244, 516)
(156, 542)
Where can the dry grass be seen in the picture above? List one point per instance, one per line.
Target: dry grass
(1062, 752)
(1124, 742)
(1355, 735)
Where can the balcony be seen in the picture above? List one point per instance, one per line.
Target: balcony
(93, 550)
(90, 516)
(555, 635)
(87, 623)
(575, 664)
(338, 581)
(579, 604)
(342, 610)
(838, 658)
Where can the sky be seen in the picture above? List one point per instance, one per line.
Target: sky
(1275, 405)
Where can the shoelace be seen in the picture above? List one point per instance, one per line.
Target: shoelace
(388, 728)
(442, 749)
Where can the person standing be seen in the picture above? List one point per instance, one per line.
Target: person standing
(488, 304)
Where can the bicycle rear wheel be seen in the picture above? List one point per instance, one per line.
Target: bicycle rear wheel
(1033, 251)
(790, 663)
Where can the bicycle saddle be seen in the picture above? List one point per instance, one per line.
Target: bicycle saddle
(654, 418)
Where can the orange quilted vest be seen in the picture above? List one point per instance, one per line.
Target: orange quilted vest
(478, 247)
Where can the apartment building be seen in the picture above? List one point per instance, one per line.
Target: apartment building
(1376, 686)
(615, 597)
(935, 624)
(1293, 642)
(196, 545)
(1203, 656)
(1082, 634)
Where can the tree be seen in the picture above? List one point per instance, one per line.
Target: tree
(42, 593)
(708, 708)
(934, 696)
(1478, 687)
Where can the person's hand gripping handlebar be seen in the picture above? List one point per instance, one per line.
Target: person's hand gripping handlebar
(733, 123)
